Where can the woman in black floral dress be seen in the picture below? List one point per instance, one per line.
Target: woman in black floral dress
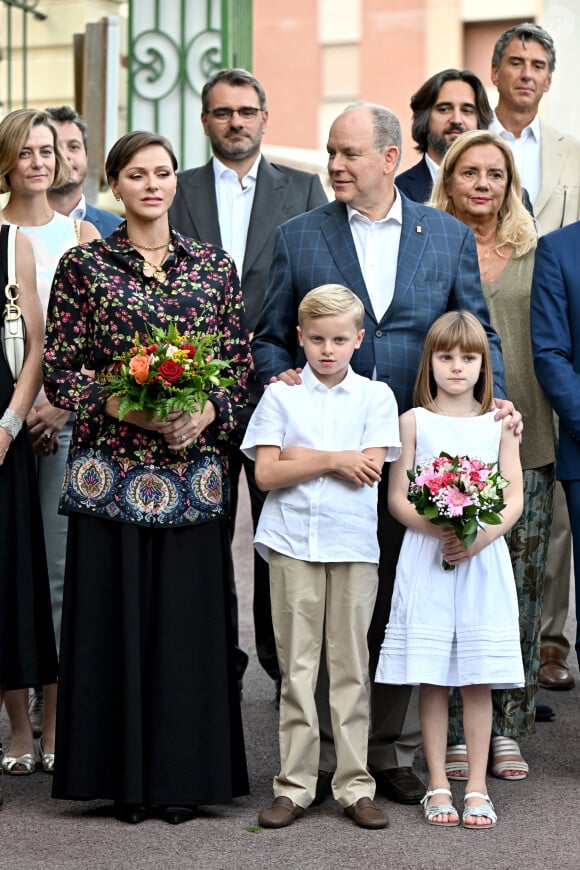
(148, 711)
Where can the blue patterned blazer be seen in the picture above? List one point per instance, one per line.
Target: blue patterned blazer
(437, 271)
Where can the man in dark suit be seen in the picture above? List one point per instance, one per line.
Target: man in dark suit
(236, 201)
(70, 199)
(555, 323)
(449, 103)
(408, 263)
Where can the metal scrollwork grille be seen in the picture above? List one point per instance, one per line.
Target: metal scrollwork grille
(173, 48)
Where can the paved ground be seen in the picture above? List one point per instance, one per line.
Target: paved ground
(537, 830)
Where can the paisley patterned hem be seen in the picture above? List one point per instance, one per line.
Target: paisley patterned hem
(181, 494)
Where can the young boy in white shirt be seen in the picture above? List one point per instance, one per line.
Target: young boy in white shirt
(319, 448)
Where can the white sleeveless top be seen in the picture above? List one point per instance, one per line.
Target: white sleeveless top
(50, 241)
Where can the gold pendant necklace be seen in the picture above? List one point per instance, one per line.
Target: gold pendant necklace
(150, 270)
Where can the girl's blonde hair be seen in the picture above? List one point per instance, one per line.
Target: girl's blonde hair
(454, 329)
(331, 299)
(15, 129)
(515, 225)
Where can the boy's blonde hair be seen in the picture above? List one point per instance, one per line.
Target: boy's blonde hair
(455, 328)
(331, 299)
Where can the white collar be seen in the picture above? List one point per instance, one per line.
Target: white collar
(532, 129)
(312, 383)
(220, 169)
(395, 213)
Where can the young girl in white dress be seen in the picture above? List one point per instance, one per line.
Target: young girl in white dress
(460, 627)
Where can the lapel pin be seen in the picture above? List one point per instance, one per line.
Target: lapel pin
(419, 229)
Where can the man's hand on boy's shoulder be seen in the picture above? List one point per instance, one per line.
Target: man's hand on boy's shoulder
(290, 377)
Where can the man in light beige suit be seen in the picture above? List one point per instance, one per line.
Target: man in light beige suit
(523, 61)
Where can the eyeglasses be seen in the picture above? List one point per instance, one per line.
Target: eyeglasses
(246, 113)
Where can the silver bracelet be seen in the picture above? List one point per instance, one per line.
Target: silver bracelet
(11, 422)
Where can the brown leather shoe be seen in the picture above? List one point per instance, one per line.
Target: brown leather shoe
(367, 814)
(281, 813)
(554, 673)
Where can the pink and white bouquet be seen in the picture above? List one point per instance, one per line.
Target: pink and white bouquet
(460, 492)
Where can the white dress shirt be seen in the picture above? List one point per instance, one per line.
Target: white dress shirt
(234, 203)
(323, 519)
(526, 151)
(377, 248)
(79, 211)
(432, 167)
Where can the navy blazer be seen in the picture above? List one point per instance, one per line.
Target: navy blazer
(437, 271)
(104, 221)
(281, 193)
(555, 326)
(416, 182)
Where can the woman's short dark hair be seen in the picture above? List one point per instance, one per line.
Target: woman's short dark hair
(426, 97)
(128, 145)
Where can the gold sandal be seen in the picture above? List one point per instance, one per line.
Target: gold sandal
(47, 760)
(27, 761)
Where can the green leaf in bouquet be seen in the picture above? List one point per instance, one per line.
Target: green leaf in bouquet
(468, 539)
(440, 521)
(490, 518)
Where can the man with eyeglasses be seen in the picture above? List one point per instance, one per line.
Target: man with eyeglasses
(236, 201)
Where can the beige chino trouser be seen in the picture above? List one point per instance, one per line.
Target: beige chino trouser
(313, 603)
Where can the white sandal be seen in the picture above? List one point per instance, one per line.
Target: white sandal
(500, 748)
(483, 810)
(432, 810)
(461, 766)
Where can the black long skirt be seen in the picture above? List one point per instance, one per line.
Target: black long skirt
(148, 707)
(27, 647)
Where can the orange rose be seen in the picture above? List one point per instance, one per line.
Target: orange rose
(139, 368)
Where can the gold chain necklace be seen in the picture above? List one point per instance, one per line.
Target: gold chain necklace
(153, 270)
(483, 237)
(166, 244)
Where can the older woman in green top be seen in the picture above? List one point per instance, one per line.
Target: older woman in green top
(478, 183)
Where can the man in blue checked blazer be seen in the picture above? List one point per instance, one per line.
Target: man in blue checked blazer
(409, 264)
